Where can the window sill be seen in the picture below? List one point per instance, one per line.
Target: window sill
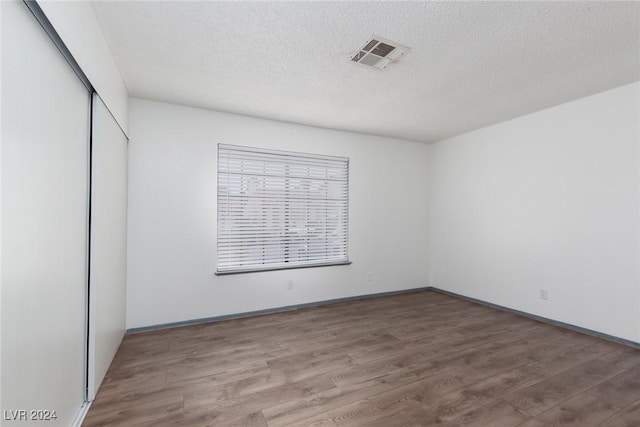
(257, 270)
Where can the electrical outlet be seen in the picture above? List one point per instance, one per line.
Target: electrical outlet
(544, 294)
(290, 285)
(369, 276)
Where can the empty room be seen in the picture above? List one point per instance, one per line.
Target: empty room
(319, 213)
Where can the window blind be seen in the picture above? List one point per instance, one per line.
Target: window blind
(280, 209)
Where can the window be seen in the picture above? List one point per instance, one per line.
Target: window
(279, 209)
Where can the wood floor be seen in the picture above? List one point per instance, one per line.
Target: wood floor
(419, 359)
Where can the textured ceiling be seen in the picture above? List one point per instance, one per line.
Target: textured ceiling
(471, 64)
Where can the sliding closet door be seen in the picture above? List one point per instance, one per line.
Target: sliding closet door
(44, 181)
(108, 242)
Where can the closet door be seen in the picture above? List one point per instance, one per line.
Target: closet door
(108, 242)
(44, 219)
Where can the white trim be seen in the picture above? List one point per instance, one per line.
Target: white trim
(81, 415)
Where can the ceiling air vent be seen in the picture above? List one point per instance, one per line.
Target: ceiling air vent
(378, 53)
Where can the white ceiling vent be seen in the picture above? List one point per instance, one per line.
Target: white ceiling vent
(378, 52)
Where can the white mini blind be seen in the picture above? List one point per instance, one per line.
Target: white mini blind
(280, 209)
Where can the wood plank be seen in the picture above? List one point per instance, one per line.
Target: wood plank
(496, 413)
(621, 390)
(582, 410)
(627, 417)
(378, 408)
(554, 390)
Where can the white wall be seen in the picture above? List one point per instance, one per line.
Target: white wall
(549, 200)
(172, 216)
(77, 25)
(108, 242)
